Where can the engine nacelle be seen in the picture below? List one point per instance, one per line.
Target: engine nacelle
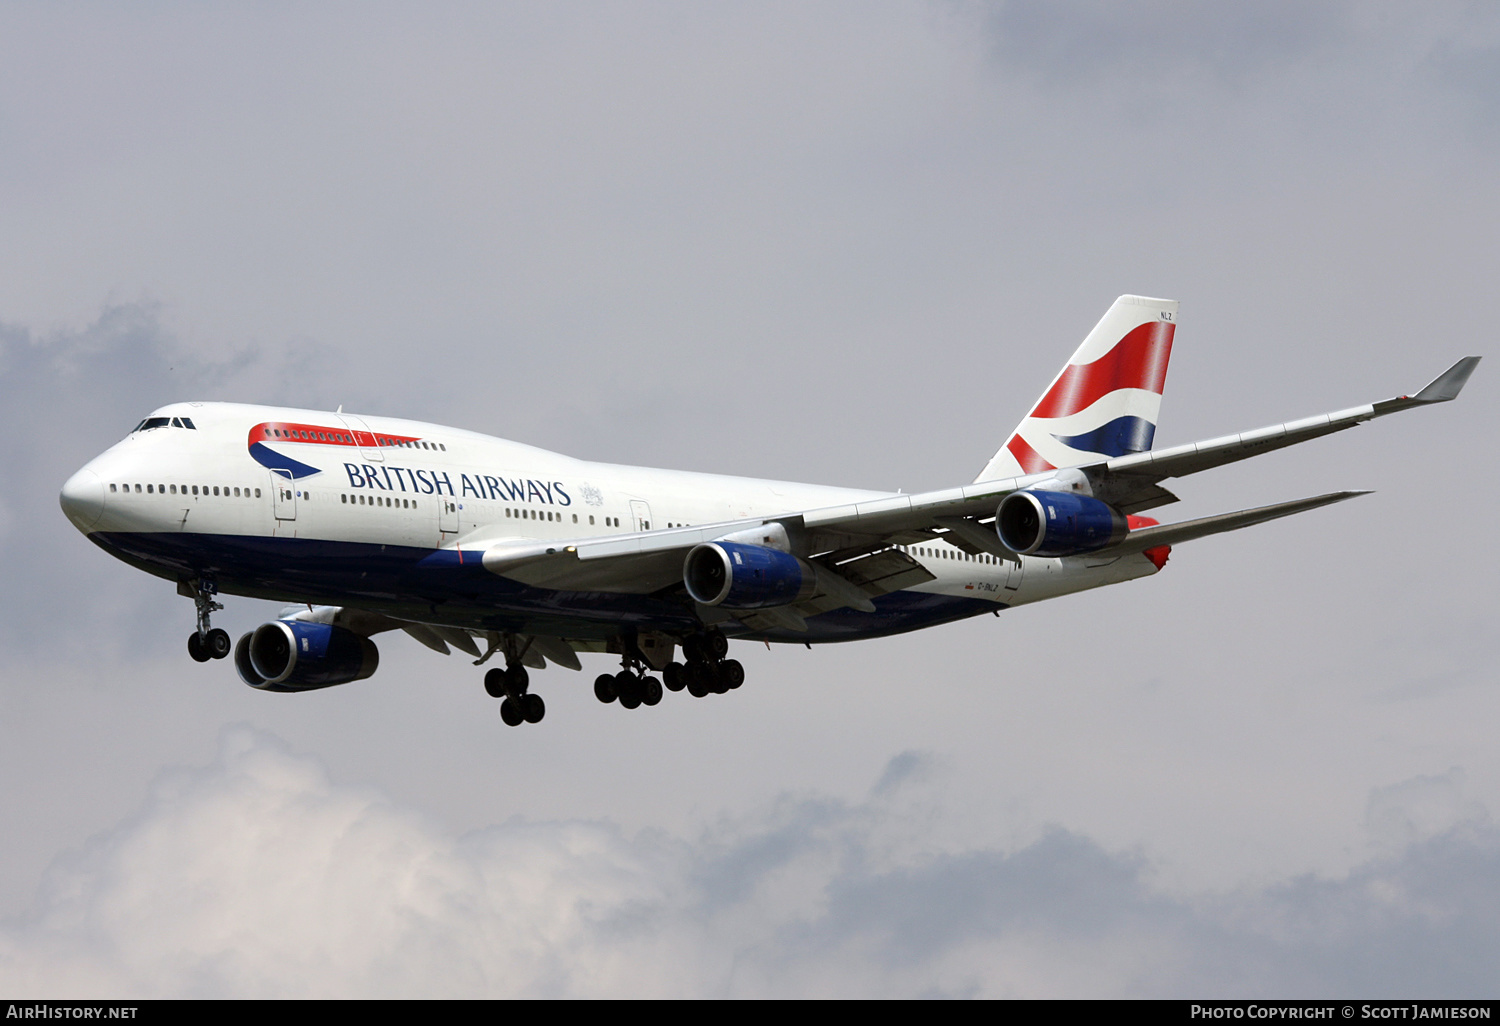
(1037, 523)
(738, 576)
(295, 655)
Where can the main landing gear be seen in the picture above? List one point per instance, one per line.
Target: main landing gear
(517, 705)
(632, 686)
(207, 642)
(706, 672)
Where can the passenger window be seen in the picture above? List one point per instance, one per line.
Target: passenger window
(113, 488)
(148, 489)
(137, 489)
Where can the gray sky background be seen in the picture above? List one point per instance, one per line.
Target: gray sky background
(832, 242)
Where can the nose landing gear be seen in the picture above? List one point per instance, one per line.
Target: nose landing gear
(207, 642)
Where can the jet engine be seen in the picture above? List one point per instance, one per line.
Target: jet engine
(1036, 523)
(293, 655)
(738, 576)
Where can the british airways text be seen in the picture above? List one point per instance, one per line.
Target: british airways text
(479, 486)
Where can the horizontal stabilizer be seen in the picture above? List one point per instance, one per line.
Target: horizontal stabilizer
(1171, 534)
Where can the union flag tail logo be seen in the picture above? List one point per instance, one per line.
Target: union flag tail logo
(1104, 402)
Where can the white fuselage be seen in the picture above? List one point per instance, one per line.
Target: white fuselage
(243, 482)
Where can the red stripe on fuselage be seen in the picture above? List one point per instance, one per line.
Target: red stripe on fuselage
(1139, 360)
(322, 434)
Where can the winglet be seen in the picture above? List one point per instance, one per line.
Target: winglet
(1443, 388)
(1448, 384)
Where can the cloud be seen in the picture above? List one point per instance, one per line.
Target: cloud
(1086, 41)
(259, 876)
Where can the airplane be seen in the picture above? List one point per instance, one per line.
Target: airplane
(464, 541)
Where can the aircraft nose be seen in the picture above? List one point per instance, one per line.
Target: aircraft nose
(82, 499)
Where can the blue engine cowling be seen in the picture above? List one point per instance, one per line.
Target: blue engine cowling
(739, 576)
(1057, 523)
(293, 655)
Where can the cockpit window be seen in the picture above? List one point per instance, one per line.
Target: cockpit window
(161, 422)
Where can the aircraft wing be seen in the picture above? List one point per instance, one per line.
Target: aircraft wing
(1131, 483)
(847, 539)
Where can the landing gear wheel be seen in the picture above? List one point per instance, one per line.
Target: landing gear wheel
(732, 673)
(196, 649)
(604, 688)
(717, 646)
(511, 713)
(651, 691)
(700, 677)
(533, 708)
(674, 676)
(494, 683)
(517, 679)
(217, 644)
(628, 686)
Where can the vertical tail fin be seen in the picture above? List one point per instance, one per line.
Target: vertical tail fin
(1105, 401)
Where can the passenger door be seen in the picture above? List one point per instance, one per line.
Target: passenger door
(284, 497)
(640, 512)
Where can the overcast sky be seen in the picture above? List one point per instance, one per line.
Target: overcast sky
(845, 243)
